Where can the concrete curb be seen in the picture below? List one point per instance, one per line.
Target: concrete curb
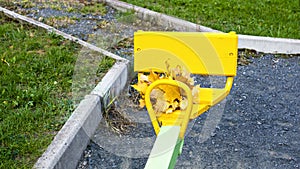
(269, 45)
(112, 83)
(258, 43)
(66, 148)
(51, 29)
(162, 19)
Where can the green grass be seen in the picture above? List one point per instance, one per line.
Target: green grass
(36, 71)
(95, 9)
(275, 18)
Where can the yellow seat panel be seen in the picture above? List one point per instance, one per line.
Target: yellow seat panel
(199, 53)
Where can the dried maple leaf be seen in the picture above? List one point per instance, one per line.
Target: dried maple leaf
(161, 105)
(159, 101)
(169, 110)
(171, 92)
(175, 104)
(156, 93)
(142, 103)
(175, 72)
(153, 76)
(142, 78)
(183, 76)
(140, 87)
(195, 93)
(183, 104)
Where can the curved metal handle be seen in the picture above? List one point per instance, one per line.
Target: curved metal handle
(187, 112)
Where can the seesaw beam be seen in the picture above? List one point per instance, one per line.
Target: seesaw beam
(166, 149)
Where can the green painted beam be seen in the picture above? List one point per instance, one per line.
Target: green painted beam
(166, 149)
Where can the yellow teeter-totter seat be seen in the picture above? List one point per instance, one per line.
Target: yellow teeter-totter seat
(213, 54)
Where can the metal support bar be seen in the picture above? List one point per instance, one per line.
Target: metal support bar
(166, 149)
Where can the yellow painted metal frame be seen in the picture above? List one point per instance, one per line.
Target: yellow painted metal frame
(198, 53)
(179, 118)
(209, 97)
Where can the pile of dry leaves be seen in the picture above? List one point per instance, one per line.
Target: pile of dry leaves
(166, 98)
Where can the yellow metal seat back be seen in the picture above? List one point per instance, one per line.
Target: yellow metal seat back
(198, 53)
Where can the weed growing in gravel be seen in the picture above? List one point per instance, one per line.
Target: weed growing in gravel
(128, 16)
(94, 9)
(116, 119)
(62, 21)
(105, 64)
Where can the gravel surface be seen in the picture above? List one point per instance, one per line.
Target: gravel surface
(256, 126)
(85, 24)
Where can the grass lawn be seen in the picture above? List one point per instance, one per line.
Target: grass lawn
(36, 69)
(275, 18)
